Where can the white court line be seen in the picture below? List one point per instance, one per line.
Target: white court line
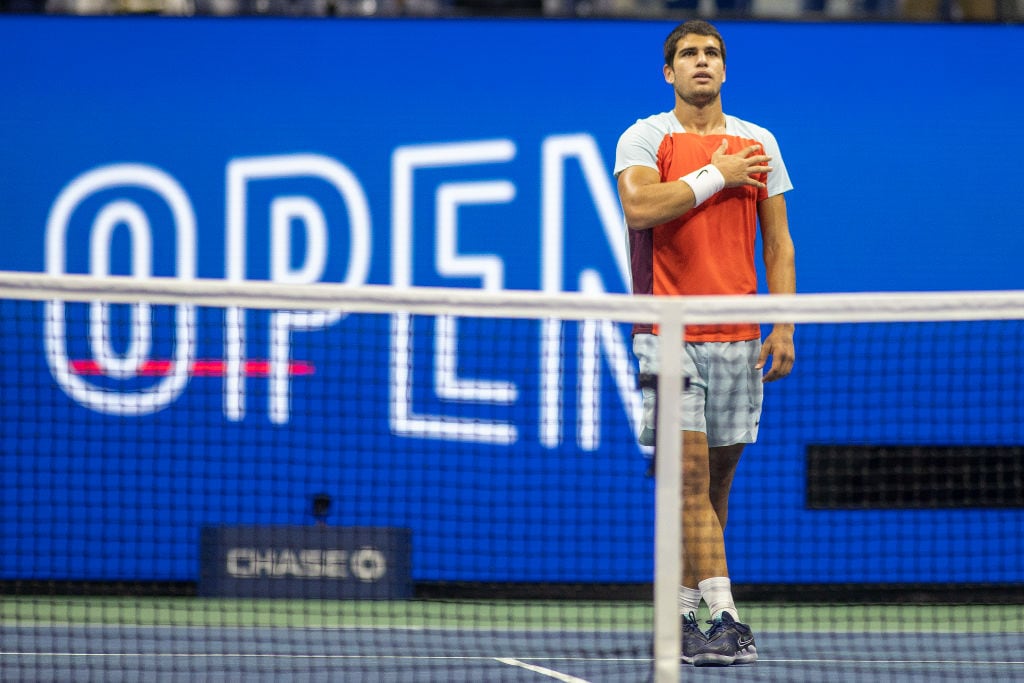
(557, 675)
(274, 655)
(956, 662)
(235, 655)
(550, 673)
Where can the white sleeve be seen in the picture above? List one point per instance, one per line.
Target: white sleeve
(778, 178)
(638, 146)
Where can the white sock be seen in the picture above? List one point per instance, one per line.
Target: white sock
(717, 592)
(689, 600)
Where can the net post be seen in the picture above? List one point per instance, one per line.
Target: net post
(667, 499)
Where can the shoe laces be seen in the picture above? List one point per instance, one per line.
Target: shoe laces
(717, 626)
(690, 622)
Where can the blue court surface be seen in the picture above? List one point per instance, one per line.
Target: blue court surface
(63, 652)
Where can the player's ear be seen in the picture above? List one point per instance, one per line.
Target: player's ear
(723, 73)
(670, 75)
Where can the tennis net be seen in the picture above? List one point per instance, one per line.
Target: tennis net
(265, 481)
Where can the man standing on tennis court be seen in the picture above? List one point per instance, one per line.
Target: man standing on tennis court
(694, 184)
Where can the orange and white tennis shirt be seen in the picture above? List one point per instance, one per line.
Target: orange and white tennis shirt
(710, 249)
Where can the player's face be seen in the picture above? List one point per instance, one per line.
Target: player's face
(697, 70)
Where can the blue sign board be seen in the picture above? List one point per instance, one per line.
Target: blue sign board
(308, 562)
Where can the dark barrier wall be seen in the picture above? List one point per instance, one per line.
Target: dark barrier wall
(902, 141)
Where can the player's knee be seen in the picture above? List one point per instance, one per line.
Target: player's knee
(696, 481)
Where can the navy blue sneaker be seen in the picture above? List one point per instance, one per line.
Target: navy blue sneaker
(693, 638)
(728, 642)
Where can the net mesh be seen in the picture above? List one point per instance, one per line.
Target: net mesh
(251, 480)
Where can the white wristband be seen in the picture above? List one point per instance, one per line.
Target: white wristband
(705, 182)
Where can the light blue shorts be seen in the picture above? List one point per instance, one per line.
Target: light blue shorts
(723, 395)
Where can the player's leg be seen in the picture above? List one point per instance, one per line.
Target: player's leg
(703, 543)
(722, 464)
(728, 641)
(734, 410)
(645, 347)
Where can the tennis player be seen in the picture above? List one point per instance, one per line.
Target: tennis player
(694, 185)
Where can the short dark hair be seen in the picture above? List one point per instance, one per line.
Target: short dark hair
(697, 27)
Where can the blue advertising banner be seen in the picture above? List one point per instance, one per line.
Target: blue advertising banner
(329, 562)
(463, 153)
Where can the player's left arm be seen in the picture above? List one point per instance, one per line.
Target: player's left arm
(780, 270)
